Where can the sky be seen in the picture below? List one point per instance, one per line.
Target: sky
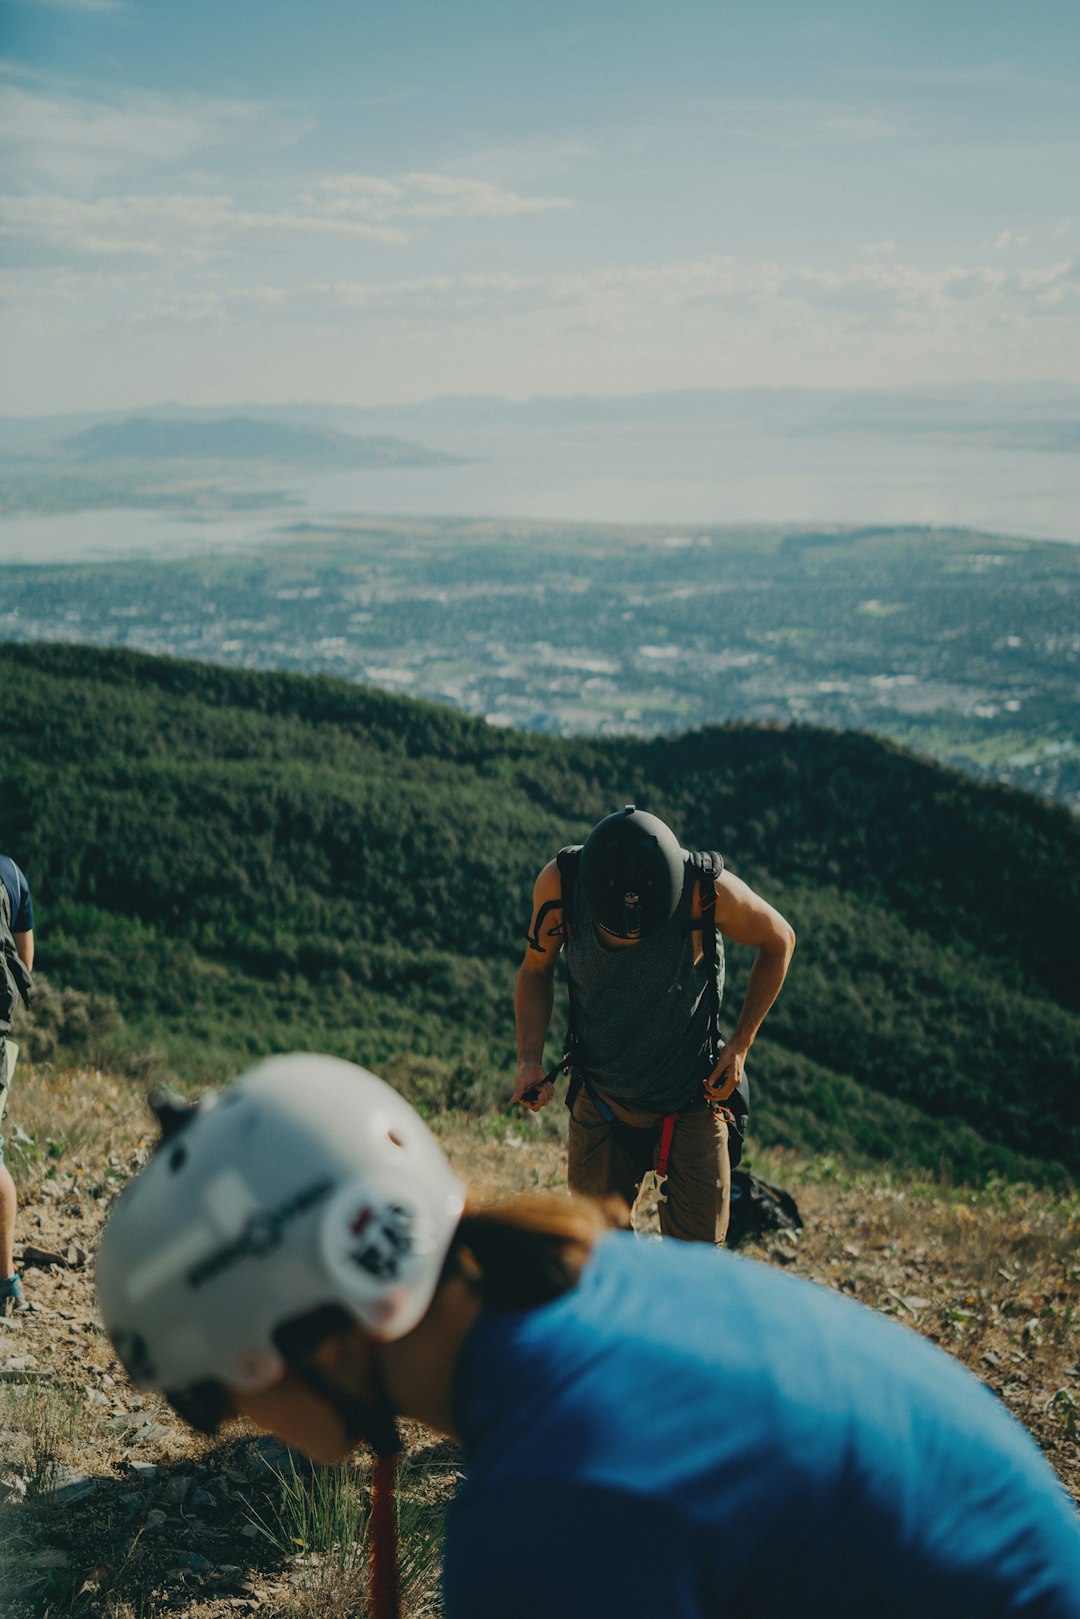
(369, 203)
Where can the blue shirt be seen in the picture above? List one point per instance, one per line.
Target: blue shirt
(689, 1434)
(22, 909)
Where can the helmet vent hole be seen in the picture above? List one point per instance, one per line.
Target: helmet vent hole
(178, 1158)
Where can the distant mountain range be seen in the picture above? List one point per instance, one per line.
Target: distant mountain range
(240, 438)
(1049, 409)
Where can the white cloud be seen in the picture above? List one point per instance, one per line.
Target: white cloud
(78, 5)
(719, 322)
(429, 196)
(440, 197)
(197, 308)
(75, 141)
(189, 224)
(615, 293)
(708, 322)
(883, 299)
(196, 224)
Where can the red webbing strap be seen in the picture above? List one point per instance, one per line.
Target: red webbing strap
(384, 1563)
(667, 1130)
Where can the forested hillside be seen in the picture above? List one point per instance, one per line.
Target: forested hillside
(249, 861)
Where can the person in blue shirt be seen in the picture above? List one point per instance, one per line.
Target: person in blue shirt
(16, 965)
(646, 1426)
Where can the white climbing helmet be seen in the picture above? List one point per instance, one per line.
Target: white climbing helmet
(309, 1183)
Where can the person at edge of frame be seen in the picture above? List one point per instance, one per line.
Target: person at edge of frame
(16, 967)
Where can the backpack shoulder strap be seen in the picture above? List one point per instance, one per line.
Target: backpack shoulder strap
(568, 860)
(707, 866)
(707, 863)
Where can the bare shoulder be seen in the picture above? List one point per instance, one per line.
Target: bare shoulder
(746, 917)
(728, 886)
(548, 884)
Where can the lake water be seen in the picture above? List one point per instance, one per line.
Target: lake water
(607, 476)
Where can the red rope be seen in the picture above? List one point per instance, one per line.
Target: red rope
(383, 1529)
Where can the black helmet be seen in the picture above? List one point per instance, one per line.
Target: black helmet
(632, 869)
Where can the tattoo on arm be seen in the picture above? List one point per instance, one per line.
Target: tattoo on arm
(555, 932)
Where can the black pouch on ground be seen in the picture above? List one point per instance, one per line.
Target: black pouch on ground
(758, 1209)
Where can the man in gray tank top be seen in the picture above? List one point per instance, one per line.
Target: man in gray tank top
(647, 1082)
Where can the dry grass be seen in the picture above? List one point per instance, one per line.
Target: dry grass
(94, 1124)
(169, 1525)
(317, 1523)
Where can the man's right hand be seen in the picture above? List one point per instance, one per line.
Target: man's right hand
(531, 1078)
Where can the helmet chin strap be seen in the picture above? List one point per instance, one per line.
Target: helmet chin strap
(372, 1421)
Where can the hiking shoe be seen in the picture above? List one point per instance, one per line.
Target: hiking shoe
(12, 1297)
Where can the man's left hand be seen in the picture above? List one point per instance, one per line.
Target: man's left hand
(726, 1075)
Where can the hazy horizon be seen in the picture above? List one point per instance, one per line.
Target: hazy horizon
(1041, 390)
(1000, 459)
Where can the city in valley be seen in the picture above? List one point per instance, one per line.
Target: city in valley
(963, 646)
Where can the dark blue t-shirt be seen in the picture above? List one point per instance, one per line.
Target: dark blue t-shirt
(688, 1434)
(22, 909)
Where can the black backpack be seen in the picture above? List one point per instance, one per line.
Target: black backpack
(757, 1209)
(15, 981)
(707, 867)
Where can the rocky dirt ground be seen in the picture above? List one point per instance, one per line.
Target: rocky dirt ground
(109, 1510)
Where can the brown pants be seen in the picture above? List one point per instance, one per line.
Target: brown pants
(605, 1158)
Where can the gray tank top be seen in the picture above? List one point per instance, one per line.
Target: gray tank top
(641, 1013)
